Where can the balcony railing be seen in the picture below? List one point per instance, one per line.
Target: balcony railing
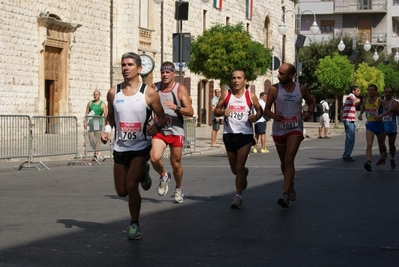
(360, 6)
(145, 38)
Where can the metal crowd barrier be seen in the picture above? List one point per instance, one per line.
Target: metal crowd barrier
(53, 136)
(189, 145)
(45, 136)
(14, 136)
(41, 136)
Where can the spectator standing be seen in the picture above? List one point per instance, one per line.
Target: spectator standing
(94, 124)
(261, 127)
(216, 121)
(324, 119)
(349, 119)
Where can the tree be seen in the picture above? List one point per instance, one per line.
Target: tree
(335, 75)
(223, 48)
(366, 75)
(317, 49)
(390, 74)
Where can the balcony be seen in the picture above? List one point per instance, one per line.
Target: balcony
(360, 6)
(145, 38)
(395, 9)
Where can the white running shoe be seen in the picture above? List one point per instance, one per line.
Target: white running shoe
(163, 184)
(178, 196)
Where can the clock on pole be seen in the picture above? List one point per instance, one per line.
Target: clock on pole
(147, 64)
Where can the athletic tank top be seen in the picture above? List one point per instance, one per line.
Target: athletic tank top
(391, 116)
(238, 121)
(131, 115)
(371, 109)
(174, 121)
(290, 106)
(96, 108)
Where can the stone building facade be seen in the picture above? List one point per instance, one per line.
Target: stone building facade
(54, 54)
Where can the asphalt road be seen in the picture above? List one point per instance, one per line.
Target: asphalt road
(71, 216)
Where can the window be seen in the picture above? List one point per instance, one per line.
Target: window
(364, 4)
(327, 26)
(144, 14)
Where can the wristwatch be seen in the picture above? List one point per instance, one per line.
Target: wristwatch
(177, 109)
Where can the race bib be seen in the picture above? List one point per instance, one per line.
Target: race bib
(237, 112)
(371, 112)
(169, 123)
(289, 122)
(131, 130)
(387, 117)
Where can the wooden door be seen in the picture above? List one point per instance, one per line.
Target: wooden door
(52, 87)
(364, 26)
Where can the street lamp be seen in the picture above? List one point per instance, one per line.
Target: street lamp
(314, 29)
(366, 45)
(376, 56)
(282, 29)
(177, 3)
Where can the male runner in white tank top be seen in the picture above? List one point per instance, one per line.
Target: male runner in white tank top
(130, 105)
(176, 102)
(288, 124)
(236, 105)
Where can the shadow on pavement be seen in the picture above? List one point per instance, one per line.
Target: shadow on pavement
(343, 216)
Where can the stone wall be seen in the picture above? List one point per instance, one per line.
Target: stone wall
(91, 63)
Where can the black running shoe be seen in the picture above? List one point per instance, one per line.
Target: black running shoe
(367, 166)
(145, 180)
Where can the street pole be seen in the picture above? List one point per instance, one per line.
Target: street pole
(180, 51)
(298, 32)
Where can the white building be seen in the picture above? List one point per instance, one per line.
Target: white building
(376, 21)
(54, 54)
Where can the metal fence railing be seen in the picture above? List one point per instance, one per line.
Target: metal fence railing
(94, 127)
(189, 135)
(45, 136)
(14, 136)
(39, 136)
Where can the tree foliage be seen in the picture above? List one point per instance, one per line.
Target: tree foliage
(317, 49)
(390, 74)
(223, 48)
(334, 73)
(366, 75)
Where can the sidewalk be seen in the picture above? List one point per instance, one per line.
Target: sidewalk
(203, 136)
(202, 147)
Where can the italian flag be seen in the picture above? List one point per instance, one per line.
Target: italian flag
(249, 9)
(217, 3)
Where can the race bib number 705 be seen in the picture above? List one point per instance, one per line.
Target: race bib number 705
(130, 130)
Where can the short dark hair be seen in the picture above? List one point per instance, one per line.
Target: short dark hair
(373, 85)
(388, 87)
(353, 88)
(238, 69)
(262, 94)
(134, 56)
